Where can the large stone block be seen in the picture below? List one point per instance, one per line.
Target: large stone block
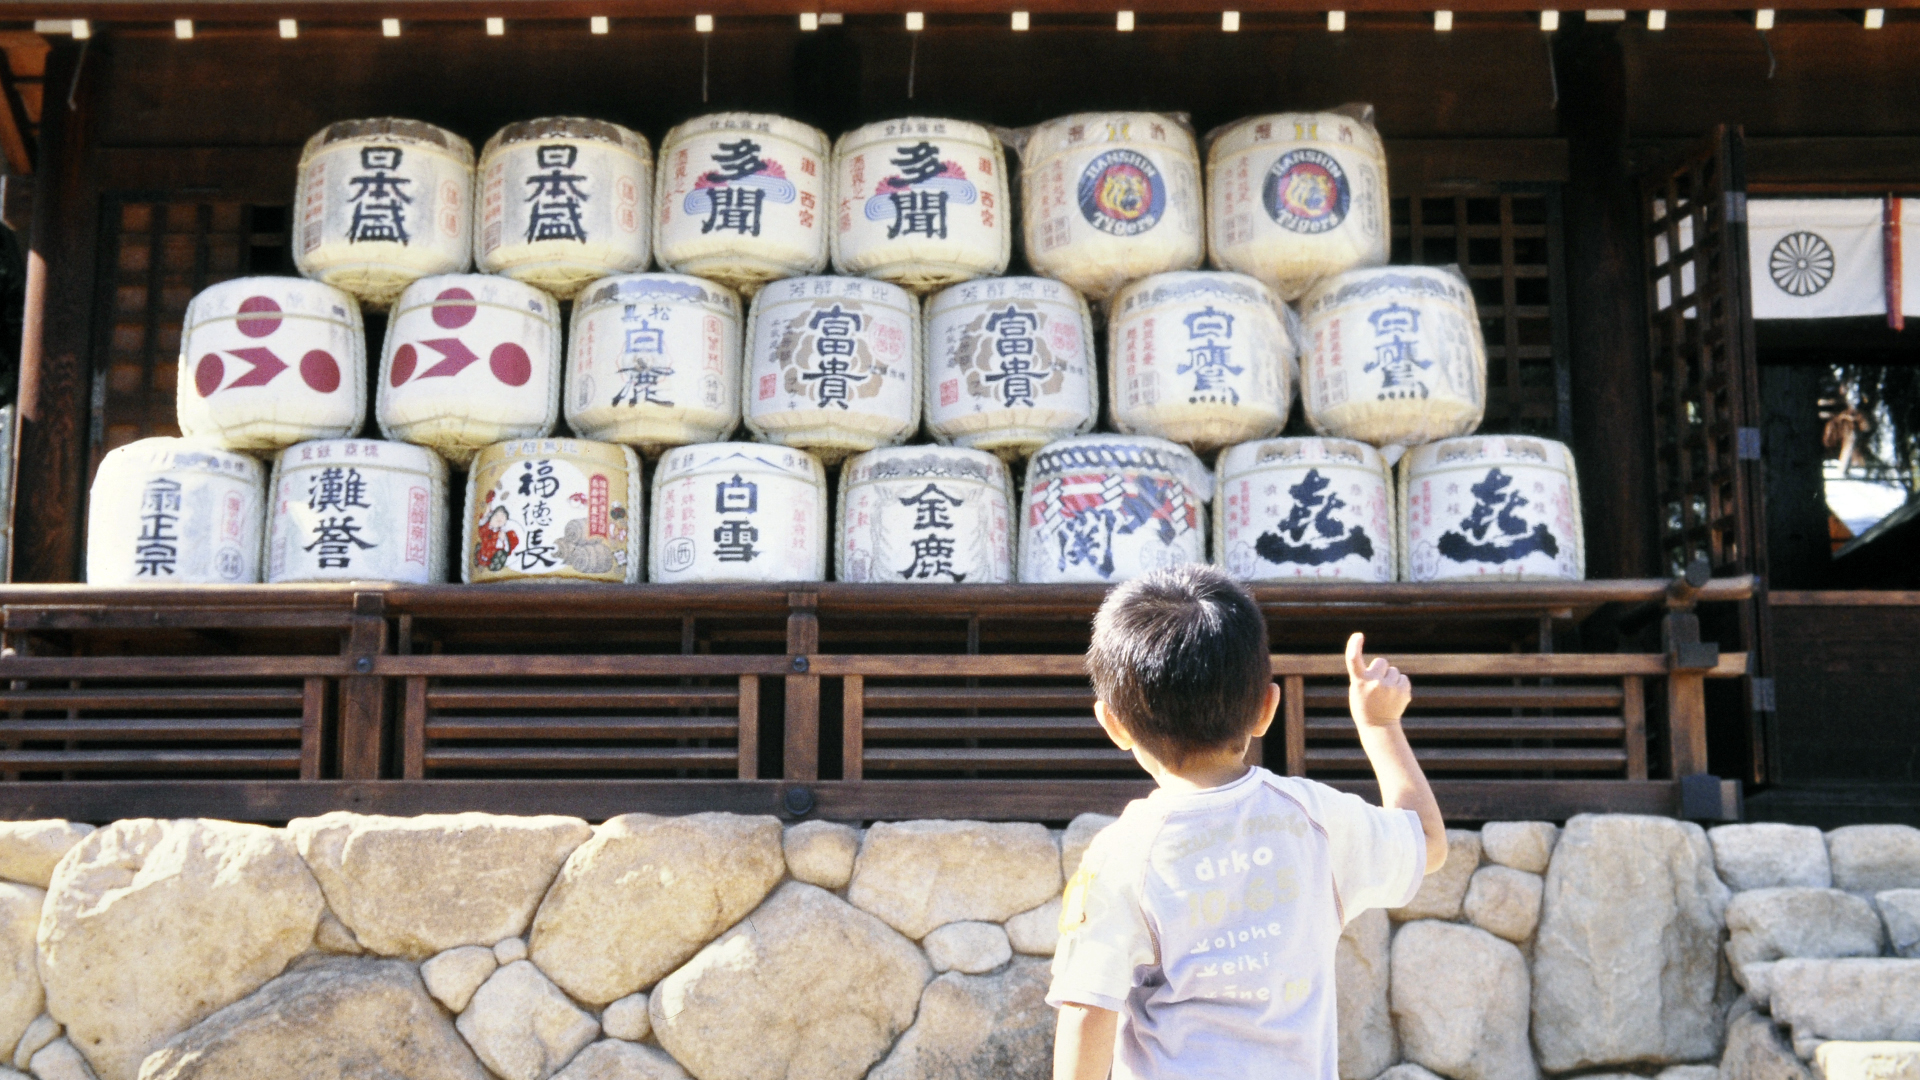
(1079, 834)
(522, 1026)
(1870, 1000)
(974, 1026)
(611, 1059)
(1875, 858)
(1756, 1050)
(1460, 1002)
(1839, 1060)
(21, 997)
(1900, 910)
(1360, 980)
(822, 852)
(1522, 845)
(1771, 924)
(1769, 854)
(29, 850)
(1504, 902)
(1444, 891)
(919, 875)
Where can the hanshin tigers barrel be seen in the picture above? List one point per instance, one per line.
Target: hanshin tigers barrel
(911, 514)
(357, 510)
(564, 200)
(742, 199)
(920, 202)
(266, 362)
(653, 361)
(175, 512)
(1106, 508)
(1305, 508)
(1009, 365)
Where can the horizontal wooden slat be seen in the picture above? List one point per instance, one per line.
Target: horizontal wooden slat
(1499, 665)
(173, 667)
(1844, 598)
(1000, 758)
(136, 760)
(967, 697)
(114, 618)
(201, 727)
(1486, 697)
(982, 727)
(517, 757)
(580, 727)
(563, 697)
(1583, 759)
(208, 698)
(1486, 727)
(577, 666)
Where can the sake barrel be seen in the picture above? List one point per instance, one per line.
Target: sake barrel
(1294, 198)
(1393, 356)
(738, 512)
(921, 203)
(742, 199)
(653, 361)
(1103, 508)
(925, 513)
(553, 510)
(833, 365)
(383, 203)
(1199, 357)
(1492, 508)
(564, 201)
(357, 510)
(175, 512)
(1109, 198)
(1304, 508)
(266, 362)
(1010, 365)
(469, 360)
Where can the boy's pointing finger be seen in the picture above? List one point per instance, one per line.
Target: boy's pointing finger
(1356, 663)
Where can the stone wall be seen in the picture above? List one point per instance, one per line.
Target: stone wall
(722, 947)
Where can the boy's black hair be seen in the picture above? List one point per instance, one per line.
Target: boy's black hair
(1180, 657)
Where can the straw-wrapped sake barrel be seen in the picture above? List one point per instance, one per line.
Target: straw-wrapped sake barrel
(1293, 198)
(553, 510)
(921, 203)
(1199, 357)
(266, 362)
(563, 201)
(1304, 508)
(1109, 198)
(175, 512)
(738, 512)
(1492, 508)
(1103, 508)
(381, 204)
(1010, 365)
(470, 360)
(357, 510)
(833, 365)
(925, 513)
(742, 199)
(653, 361)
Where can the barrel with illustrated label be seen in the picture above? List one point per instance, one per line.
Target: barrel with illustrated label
(833, 365)
(1109, 198)
(553, 510)
(921, 203)
(470, 360)
(357, 510)
(742, 199)
(175, 512)
(1305, 508)
(1491, 508)
(738, 512)
(925, 513)
(381, 204)
(1106, 508)
(1199, 357)
(653, 361)
(1294, 198)
(564, 200)
(1010, 365)
(266, 362)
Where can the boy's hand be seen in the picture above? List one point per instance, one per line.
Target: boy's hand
(1377, 692)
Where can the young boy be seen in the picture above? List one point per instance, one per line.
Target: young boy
(1197, 939)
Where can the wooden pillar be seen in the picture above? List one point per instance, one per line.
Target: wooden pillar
(363, 698)
(803, 690)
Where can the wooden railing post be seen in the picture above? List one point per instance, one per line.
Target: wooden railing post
(363, 698)
(803, 689)
(1688, 661)
(1293, 711)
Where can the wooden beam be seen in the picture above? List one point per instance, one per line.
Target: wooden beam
(803, 689)
(363, 704)
(155, 11)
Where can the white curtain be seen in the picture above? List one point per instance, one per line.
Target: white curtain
(1818, 258)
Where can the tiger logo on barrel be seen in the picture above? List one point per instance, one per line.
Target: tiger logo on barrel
(1306, 191)
(1122, 194)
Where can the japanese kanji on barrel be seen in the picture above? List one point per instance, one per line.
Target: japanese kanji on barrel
(470, 360)
(925, 513)
(175, 512)
(1010, 365)
(553, 510)
(921, 203)
(833, 365)
(381, 204)
(738, 512)
(563, 201)
(1304, 508)
(357, 510)
(1102, 508)
(742, 199)
(1495, 507)
(266, 362)
(653, 361)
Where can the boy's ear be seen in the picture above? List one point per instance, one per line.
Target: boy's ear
(1110, 724)
(1268, 710)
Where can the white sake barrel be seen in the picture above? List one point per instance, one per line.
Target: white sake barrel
(1010, 365)
(553, 510)
(266, 362)
(921, 203)
(1294, 198)
(470, 360)
(1492, 508)
(925, 513)
(1393, 356)
(738, 512)
(833, 365)
(1304, 508)
(358, 510)
(563, 201)
(1109, 198)
(1103, 508)
(175, 512)
(383, 203)
(1199, 357)
(653, 361)
(742, 199)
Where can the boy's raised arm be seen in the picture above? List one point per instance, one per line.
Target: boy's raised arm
(1083, 1042)
(1378, 694)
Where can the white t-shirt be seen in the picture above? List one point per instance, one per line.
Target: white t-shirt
(1208, 920)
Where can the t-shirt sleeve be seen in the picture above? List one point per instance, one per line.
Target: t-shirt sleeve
(1378, 855)
(1104, 937)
